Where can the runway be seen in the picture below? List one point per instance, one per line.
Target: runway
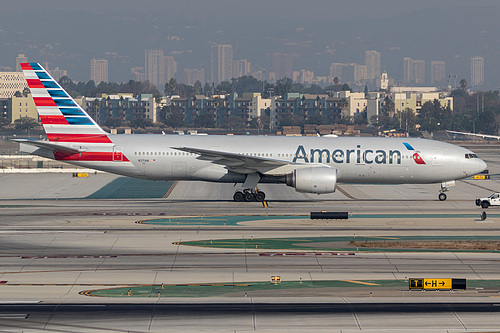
(342, 316)
(57, 241)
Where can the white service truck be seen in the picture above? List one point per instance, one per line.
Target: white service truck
(492, 200)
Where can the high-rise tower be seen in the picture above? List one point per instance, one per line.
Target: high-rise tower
(155, 68)
(477, 71)
(99, 70)
(372, 62)
(419, 71)
(21, 58)
(221, 62)
(438, 72)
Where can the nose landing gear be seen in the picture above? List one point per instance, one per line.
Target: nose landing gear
(444, 188)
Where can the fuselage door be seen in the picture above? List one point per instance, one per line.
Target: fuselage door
(117, 153)
(437, 157)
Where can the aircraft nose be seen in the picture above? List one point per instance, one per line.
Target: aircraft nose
(479, 166)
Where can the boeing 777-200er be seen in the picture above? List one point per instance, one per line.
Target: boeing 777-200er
(309, 164)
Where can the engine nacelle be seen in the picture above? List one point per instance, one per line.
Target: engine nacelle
(313, 180)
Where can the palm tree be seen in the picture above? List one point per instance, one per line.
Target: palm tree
(463, 84)
(389, 107)
(343, 104)
(95, 107)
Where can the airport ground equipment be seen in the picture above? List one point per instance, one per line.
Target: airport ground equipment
(492, 200)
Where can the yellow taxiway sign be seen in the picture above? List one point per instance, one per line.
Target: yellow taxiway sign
(437, 284)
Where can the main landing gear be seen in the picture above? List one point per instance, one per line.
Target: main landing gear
(249, 195)
(250, 192)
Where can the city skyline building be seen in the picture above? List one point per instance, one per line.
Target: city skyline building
(241, 68)
(191, 75)
(372, 63)
(360, 73)
(155, 68)
(99, 71)
(438, 72)
(303, 76)
(477, 71)
(419, 71)
(221, 62)
(138, 73)
(336, 69)
(281, 64)
(351, 73)
(57, 73)
(414, 71)
(170, 67)
(348, 72)
(19, 60)
(408, 70)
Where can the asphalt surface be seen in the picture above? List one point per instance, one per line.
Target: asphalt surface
(56, 241)
(250, 316)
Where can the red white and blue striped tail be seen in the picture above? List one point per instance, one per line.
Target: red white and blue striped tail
(62, 118)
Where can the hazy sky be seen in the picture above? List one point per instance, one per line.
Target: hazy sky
(68, 33)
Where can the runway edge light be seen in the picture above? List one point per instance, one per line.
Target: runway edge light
(275, 279)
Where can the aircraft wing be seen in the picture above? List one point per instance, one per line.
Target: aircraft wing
(237, 162)
(48, 145)
(476, 134)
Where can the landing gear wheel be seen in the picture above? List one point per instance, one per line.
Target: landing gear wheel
(260, 196)
(442, 196)
(485, 204)
(249, 197)
(238, 196)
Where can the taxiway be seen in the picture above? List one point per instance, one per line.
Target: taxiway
(60, 236)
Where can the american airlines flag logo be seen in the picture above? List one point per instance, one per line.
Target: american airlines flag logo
(416, 157)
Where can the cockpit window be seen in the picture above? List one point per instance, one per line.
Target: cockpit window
(468, 156)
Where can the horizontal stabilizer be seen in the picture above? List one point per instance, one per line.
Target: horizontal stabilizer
(50, 146)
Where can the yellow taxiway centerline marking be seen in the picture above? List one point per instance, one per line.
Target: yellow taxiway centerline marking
(345, 193)
(170, 190)
(360, 282)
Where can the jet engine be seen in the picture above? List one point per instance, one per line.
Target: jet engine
(313, 180)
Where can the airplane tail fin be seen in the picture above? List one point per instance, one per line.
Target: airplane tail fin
(62, 118)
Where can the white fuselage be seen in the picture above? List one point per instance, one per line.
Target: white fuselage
(357, 159)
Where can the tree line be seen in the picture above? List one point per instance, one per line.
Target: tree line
(244, 84)
(89, 88)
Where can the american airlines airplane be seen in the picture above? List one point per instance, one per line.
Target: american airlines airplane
(309, 164)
